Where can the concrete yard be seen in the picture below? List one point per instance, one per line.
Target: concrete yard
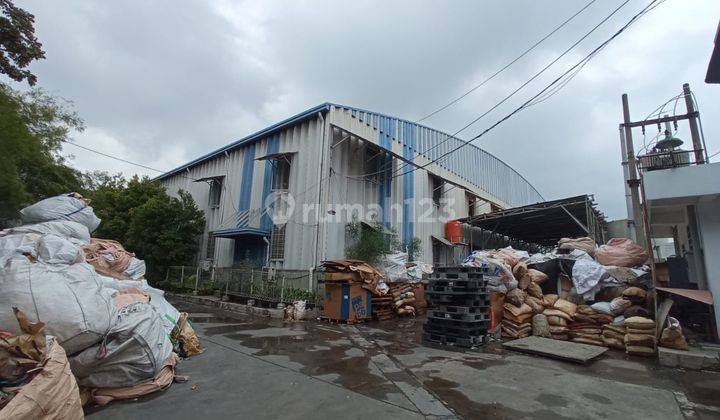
(264, 368)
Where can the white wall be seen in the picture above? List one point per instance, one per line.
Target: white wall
(708, 215)
(688, 181)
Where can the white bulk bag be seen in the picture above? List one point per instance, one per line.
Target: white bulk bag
(135, 350)
(167, 311)
(73, 231)
(53, 249)
(17, 246)
(61, 207)
(69, 299)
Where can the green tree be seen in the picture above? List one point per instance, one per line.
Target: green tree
(33, 126)
(139, 214)
(18, 44)
(372, 241)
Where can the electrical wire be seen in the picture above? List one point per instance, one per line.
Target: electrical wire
(637, 16)
(515, 60)
(513, 93)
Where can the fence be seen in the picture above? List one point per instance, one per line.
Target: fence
(270, 286)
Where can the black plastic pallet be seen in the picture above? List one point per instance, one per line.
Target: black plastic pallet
(478, 316)
(459, 300)
(457, 276)
(456, 330)
(449, 340)
(459, 269)
(472, 283)
(457, 290)
(468, 325)
(462, 309)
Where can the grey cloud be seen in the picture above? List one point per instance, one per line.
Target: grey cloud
(171, 80)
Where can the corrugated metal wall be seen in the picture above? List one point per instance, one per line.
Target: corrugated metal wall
(333, 175)
(304, 140)
(485, 171)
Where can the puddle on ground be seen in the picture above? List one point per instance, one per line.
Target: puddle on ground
(223, 329)
(213, 320)
(468, 408)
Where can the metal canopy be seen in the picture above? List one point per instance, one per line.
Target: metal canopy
(545, 223)
(442, 240)
(239, 232)
(275, 156)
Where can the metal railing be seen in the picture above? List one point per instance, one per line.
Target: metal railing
(268, 286)
(666, 159)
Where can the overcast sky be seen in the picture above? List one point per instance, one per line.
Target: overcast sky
(162, 82)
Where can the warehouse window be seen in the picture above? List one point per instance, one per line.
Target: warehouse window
(372, 163)
(471, 200)
(215, 192)
(437, 185)
(281, 175)
(210, 249)
(277, 242)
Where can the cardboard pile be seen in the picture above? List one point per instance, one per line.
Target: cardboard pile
(349, 286)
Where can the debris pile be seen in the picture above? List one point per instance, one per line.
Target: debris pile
(349, 286)
(579, 292)
(120, 334)
(461, 302)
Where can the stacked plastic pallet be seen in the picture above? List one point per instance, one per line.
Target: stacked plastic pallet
(460, 315)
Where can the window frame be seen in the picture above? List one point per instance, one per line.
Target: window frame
(210, 246)
(277, 242)
(215, 191)
(280, 177)
(437, 187)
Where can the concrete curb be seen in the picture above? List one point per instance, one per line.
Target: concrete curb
(229, 306)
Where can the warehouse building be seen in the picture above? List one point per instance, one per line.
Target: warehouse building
(283, 197)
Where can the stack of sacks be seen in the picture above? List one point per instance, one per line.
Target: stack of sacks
(584, 244)
(613, 336)
(638, 299)
(527, 276)
(621, 252)
(586, 326)
(640, 336)
(540, 326)
(559, 312)
(516, 321)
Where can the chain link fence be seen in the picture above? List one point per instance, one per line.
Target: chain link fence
(265, 286)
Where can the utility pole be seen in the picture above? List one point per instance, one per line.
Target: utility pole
(632, 181)
(694, 131)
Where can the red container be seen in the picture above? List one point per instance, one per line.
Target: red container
(453, 231)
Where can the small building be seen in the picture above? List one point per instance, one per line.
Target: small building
(283, 197)
(683, 205)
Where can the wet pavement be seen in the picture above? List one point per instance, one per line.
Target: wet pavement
(265, 368)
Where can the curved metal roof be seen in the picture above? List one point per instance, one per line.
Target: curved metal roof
(471, 163)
